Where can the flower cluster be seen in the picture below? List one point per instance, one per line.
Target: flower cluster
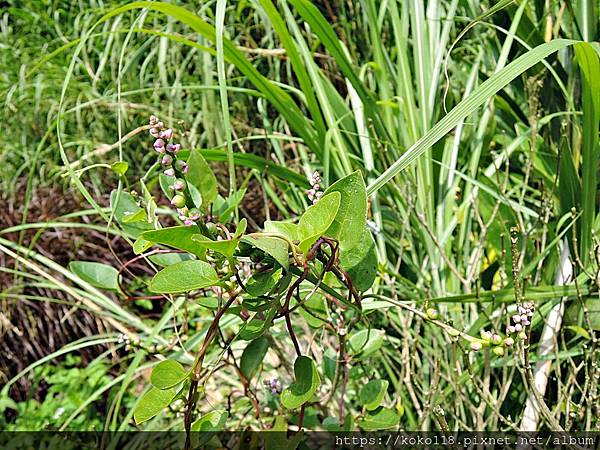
(173, 166)
(315, 192)
(274, 385)
(521, 320)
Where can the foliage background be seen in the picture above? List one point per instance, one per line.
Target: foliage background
(527, 158)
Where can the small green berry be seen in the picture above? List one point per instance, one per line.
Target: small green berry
(498, 351)
(432, 313)
(178, 201)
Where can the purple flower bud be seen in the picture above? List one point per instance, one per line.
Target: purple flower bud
(166, 160)
(178, 185)
(523, 317)
(195, 214)
(173, 148)
(316, 187)
(153, 120)
(518, 327)
(178, 201)
(166, 134)
(318, 195)
(476, 346)
(497, 339)
(154, 132)
(169, 172)
(526, 322)
(188, 222)
(509, 342)
(310, 193)
(159, 143)
(180, 164)
(516, 318)
(522, 310)
(511, 329)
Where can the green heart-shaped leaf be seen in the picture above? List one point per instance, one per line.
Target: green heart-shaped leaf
(167, 374)
(351, 217)
(380, 419)
(97, 274)
(317, 219)
(360, 262)
(179, 237)
(371, 395)
(184, 276)
(153, 402)
(202, 178)
(306, 384)
(276, 247)
(253, 356)
(225, 247)
(365, 342)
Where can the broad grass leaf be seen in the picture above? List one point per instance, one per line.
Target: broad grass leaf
(201, 177)
(253, 355)
(97, 274)
(179, 237)
(184, 277)
(380, 419)
(153, 402)
(371, 394)
(167, 373)
(306, 383)
(317, 219)
(360, 262)
(351, 218)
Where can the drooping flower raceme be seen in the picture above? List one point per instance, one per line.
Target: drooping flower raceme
(315, 192)
(173, 167)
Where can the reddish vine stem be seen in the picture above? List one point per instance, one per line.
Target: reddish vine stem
(197, 367)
